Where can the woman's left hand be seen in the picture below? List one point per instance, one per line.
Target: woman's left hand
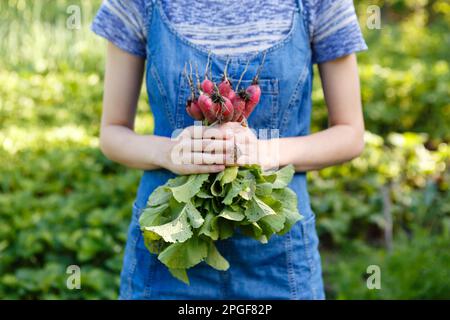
(249, 149)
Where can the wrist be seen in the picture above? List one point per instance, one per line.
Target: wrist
(268, 154)
(162, 152)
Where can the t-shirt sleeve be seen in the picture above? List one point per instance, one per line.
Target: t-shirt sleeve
(123, 22)
(335, 30)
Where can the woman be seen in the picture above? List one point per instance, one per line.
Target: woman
(159, 37)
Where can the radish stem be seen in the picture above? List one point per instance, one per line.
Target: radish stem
(242, 75)
(256, 78)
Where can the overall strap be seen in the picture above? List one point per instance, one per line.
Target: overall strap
(300, 5)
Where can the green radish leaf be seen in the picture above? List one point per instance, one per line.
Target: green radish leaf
(226, 229)
(216, 207)
(178, 230)
(288, 199)
(217, 188)
(236, 187)
(215, 259)
(272, 202)
(152, 216)
(198, 202)
(159, 196)
(284, 176)
(232, 215)
(269, 177)
(180, 274)
(186, 191)
(257, 209)
(263, 189)
(229, 175)
(272, 224)
(209, 227)
(195, 217)
(248, 189)
(254, 231)
(152, 241)
(204, 195)
(184, 255)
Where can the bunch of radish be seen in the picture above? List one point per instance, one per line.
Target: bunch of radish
(220, 102)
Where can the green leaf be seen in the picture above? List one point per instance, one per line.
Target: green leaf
(186, 191)
(209, 227)
(180, 274)
(217, 188)
(232, 215)
(263, 189)
(216, 206)
(257, 209)
(195, 218)
(152, 216)
(226, 228)
(152, 241)
(288, 199)
(203, 194)
(229, 175)
(284, 176)
(184, 255)
(254, 231)
(159, 196)
(272, 223)
(215, 259)
(269, 177)
(248, 189)
(178, 230)
(236, 187)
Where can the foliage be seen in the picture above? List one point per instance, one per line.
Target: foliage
(184, 217)
(63, 203)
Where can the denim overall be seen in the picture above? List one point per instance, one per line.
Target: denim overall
(288, 266)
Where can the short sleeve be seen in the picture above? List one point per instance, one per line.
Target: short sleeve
(123, 22)
(335, 31)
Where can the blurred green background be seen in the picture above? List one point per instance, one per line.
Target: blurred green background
(62, 202)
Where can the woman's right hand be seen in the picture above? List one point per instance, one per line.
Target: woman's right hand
(199, 149)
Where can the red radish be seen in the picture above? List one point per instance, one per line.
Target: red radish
(207, 86)
(231, 95)
(193, 109)
(239, 107)
(225, 87)
(227, 111)
(253, 97)
(208, 108)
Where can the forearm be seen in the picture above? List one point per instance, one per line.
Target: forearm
(123, 145)
(337, 144)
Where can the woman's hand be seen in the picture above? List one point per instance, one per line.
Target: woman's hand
(248, 149)
(199, 149)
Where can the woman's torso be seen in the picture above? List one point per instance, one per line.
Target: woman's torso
(288, 267)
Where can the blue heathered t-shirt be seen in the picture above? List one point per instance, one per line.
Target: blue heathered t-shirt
(230, 27)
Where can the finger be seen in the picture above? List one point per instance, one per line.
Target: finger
(206, 146)
(196, 169)
(208, 158)
(217, 146)
(198, 158)
(217, 133)
(193, 132)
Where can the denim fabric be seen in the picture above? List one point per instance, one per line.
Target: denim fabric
(288, 267)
